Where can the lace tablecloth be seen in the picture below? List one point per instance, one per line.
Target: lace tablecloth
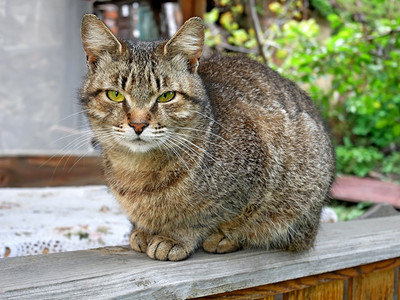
(48, 220)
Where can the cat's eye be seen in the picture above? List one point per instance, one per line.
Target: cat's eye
(165, 97)
(115, 96)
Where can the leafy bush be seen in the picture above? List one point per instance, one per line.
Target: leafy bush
(392, 164)
(352, 73)
(357, 160)
(348, 211)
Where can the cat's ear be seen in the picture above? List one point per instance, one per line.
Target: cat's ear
(97, 38)
(187, 41)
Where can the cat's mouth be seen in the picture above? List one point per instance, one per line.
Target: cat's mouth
(139, 141)
(138, 144)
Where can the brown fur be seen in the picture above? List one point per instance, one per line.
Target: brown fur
(239, 158)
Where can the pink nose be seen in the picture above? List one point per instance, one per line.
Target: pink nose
(138, 127)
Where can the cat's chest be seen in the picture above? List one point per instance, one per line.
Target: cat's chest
(131, 175)
(152, 199)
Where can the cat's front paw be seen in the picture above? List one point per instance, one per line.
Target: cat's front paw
(139, 240)
(219, 243)
(164, 248)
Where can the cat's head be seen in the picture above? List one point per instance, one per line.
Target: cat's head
(140, 95)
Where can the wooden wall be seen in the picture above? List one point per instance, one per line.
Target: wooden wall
(40, 171)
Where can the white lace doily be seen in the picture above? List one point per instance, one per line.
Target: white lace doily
(48, 220)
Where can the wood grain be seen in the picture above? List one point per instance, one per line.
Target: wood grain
(398, 283)
(118, 272)
(37, 171)
(309, 281)
(331, 290)
(377, 285)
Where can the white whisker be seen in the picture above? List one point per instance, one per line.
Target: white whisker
(208, 117)
(199, 160)
(209, 155)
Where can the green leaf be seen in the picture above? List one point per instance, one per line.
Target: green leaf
(334, 20)
(212, 16)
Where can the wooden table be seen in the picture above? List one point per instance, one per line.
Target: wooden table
(356, 260)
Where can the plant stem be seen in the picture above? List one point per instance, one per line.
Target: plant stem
(257, 28)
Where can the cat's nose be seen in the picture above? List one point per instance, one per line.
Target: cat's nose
(138, 127)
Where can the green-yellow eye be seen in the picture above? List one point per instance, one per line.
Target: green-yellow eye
(115, 96)
(167, 96)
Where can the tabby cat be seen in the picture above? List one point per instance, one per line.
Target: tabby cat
(222, 153)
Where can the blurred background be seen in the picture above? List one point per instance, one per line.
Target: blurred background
(344, 53)
(44, 137)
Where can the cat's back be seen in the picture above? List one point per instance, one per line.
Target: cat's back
(232, 79)
(251, 100)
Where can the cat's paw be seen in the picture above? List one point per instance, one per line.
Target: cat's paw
(139, 240)
(164, 248)
(219, 243)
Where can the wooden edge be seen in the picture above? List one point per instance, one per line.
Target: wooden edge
(305, 282)
(39, 171)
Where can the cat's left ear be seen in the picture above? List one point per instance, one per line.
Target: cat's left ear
(187, 41)
(97, 39)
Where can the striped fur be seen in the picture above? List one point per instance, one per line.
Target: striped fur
(238, 158)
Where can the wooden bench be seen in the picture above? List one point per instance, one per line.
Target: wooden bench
(351, 260)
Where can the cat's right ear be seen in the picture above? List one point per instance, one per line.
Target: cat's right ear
(97, 39)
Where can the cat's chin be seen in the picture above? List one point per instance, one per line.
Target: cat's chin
(139, 146)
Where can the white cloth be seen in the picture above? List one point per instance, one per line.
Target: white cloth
(48, 220)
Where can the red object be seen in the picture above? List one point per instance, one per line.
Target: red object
(355, 189)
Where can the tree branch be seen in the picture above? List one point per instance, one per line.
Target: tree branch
(233, 48)
(257, 28)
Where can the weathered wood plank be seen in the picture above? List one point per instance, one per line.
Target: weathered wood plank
(119, 272)
(36, 171)
(309, 281)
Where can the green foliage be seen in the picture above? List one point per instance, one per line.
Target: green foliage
(369, 10)
(324, 7)
(367, 76)
(357, 160)
(392, 164)
(237, 36)
(364, 78)
(352, 74)
(346, 212)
